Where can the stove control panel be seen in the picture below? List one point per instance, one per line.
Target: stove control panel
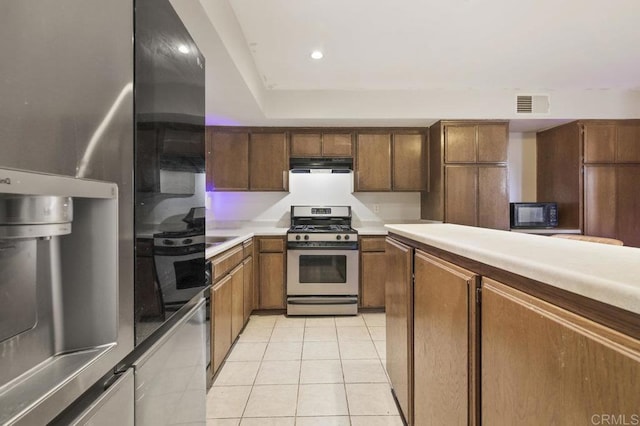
(321, 236)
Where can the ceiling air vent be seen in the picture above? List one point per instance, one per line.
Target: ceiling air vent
(532, 104)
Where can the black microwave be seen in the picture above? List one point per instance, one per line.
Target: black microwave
(534, 215)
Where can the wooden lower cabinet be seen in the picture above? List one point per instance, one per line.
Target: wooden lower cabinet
(543, 365)
(399, 324)
(221, 328)
(271, 273)
(237, 301)
(248, 288)
(444, 343)
(372, 272)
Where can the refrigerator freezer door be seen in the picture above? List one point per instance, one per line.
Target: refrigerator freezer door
(113, 407)
(170, 376)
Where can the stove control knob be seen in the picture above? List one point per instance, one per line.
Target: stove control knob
(338, 237)
(346, 237)
(168, 242)
(306, 237)
(298, 237)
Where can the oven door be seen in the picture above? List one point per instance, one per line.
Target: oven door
(322, 272)
(181, 276)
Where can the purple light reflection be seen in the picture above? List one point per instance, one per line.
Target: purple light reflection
(225, 205)
(217, 120)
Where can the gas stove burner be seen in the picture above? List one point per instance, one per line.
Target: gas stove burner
(321, 228)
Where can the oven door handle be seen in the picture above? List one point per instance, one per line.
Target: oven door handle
(322, 302)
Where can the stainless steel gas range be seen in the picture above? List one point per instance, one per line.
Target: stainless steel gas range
(322, 261)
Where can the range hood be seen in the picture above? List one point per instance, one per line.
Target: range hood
(321, 165)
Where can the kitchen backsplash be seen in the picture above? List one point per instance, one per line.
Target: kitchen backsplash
(311, 189)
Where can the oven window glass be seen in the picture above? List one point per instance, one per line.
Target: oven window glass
(189, 273)
(531, 214)
(329, 269)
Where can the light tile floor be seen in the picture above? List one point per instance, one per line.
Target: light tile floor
(313, 371)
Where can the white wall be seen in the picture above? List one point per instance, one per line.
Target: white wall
(312, 189)
(522, 166)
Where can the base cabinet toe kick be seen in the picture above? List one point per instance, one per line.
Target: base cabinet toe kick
(471, 344)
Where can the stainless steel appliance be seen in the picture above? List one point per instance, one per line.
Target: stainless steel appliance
(68, 130)
(322, 261)
(534, 215)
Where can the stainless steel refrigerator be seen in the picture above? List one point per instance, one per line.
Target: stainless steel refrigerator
(101, 164)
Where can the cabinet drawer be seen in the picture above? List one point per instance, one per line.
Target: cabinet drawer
(247, 248)
(372, 243)
(271, 245)
(226, 261)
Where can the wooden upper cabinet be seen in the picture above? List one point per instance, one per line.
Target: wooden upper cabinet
(373, 162)
(492, 143)
(493, 197)
(628, 204)
(337, 145)
(306, 144)
(612, 142)
(599, 143)
(460, 143)
(475, 142)
(600, 201)
(461, 195)
(268, 162)
(409, 163)
(321, 145)
(628, 149)
(227, 160)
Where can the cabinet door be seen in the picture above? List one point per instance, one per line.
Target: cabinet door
(237, 301)
(542, 365)
(599, 143)
(493, 197)
(460, 143)
(600, 201)
(628, 147)
(409, 163)
(492, 143)
(248, 288)
(628, 204)
(271, 267)
(268, 162)
(444, 343)
(461, 193)
(227, 160)
(221, 327)
(373, 165)
(337, 145)
(399, 324)
(372, 276)
(306, 144)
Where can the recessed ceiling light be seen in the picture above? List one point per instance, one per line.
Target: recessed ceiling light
(316, 54)
(183, 49)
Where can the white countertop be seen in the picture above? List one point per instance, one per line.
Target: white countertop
(240, 235)
(610, 274)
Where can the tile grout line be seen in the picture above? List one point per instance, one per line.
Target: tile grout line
(257, 372)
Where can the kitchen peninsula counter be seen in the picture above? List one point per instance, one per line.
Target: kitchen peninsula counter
(606, 273)
(558, 320)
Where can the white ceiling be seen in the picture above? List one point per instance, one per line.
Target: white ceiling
(411, 62)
